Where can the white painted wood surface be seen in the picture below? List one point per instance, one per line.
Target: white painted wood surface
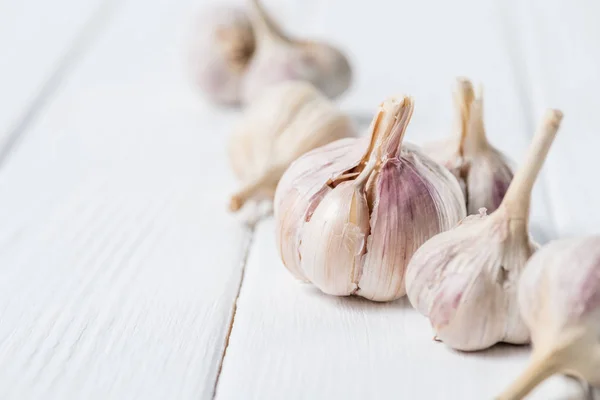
(39, 40)
(118, 262)
(119, 267)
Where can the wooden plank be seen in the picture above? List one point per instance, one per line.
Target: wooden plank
(560, 55)
(39, 40)
(289, 340)
(119, 265)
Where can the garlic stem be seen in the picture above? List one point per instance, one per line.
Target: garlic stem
(463, 97)
(518, 196)
(266, 28)
(387, 131)
(265, 180)
(538, 370)
(475, 139)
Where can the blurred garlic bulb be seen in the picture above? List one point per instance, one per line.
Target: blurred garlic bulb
(279, 58)
(465, 280)
(222, 45)
(285, 121)
(350, 215)
(559, 299)
(483, 172)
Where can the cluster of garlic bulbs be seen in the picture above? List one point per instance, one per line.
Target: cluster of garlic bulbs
(350, 215)
(287, 120)
(375, 217)
(465, 280)
(237, 53)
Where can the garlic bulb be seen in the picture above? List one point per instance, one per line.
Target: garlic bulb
(279, 58)
(483, 172)
(221, 47)
(350, 215)
(559, 299)
(286, 120)
(465, 279)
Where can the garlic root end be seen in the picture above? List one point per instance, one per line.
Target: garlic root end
(267, 181)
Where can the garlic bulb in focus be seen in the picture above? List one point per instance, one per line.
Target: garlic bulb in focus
(350, 215)
(221, 47)
(559, 299)
(483, 172)
(280, 58)
(465, 280)
(285, 122)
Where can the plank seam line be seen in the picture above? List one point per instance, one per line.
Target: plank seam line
(235, 306)
(85, 36)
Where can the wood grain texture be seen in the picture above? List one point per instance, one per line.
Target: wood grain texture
(119, 265)
(559, 53)
(289, 340)
(39, 41)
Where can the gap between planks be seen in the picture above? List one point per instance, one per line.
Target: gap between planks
(83, 39)
(252, 234)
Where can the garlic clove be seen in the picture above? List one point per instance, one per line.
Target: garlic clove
(465, 279)
(333, 240)
(559, 299)
(221, 47)
(483, 171)
(285, 122)
(381, 178)
(302, 188)
(278, 58)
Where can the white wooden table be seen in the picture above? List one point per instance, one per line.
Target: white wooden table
(122, 275)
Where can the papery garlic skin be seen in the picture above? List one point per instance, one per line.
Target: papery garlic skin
(278, 57)
(301, 189)
(221, 47)
(286, 121)
(559, 299)
(413, 199)
(465, 280)
(320, 209)
(482, 170)
(332, 245)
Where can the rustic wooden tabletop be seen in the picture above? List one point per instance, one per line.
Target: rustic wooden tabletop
(123, 276)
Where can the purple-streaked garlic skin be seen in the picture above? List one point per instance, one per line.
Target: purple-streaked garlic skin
(559, 292)
(469, 292)
(484, 173)
(221, 47)
(465, 280)
(409, 198)
(404, 202)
